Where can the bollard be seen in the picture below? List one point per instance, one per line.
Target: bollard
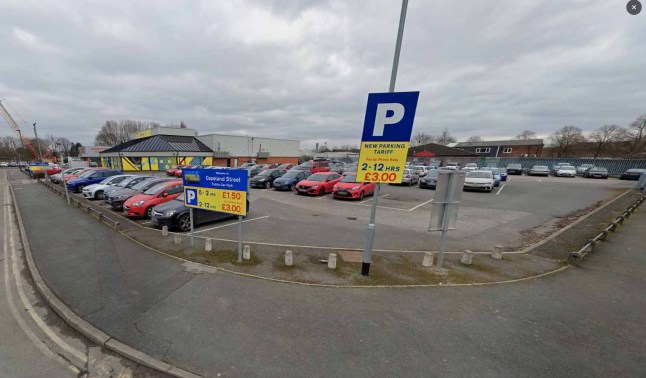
(246, 252)
(289, 258)
(604, 235)
(164, 230)
(428, 259)
(467, 257)
(100, 217)
(178, 239)
(208, 245)
(116, 225)
(497, 252)
(331, 261)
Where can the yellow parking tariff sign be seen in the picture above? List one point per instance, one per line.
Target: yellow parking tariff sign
(228, 201)
(382, 162)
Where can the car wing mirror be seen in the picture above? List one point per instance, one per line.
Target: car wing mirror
(164, 194)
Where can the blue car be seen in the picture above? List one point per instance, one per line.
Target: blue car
(289, 180)
(496, 174)
(503, 174)
(89, 178)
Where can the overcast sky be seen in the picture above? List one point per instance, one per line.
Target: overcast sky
(303, 69)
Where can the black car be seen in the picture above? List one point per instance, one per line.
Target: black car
(117, 198)
(596, 172)
(175, 215)
(254, 170)
(266, 178)
(514, 169)
(632, 174)
(429, 180)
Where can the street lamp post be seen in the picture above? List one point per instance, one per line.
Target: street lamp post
(67, 194)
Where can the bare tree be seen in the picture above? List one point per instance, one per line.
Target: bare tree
(113, 133)
(475, 138)
(526, 135)
(420, 139)
(564, 138)
(445, 138)
(638, 131)
(605, 135)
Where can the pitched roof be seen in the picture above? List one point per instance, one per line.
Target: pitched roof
(493, 143)
(439, 150)
(161, 143)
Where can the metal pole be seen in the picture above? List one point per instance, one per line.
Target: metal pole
(67, 194)
(446, 217)
(40, 155)
(239, 238)
(370, 233)
(190, 214)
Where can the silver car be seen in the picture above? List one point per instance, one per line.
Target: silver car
(539, 170)
(409, 177)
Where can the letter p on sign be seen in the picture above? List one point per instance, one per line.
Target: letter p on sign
(389, 117)
(191, 197)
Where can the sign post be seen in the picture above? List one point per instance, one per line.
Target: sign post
(444, 211)
(223, 190)
(392, 112)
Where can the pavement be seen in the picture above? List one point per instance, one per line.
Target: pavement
(584, 321)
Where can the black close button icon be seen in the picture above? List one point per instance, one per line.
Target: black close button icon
(634, 7)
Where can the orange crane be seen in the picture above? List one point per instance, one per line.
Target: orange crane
(26, 143)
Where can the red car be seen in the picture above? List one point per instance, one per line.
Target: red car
(78, 174)
(141, 205)
(53, 170)
(348, 187)
(318, 183)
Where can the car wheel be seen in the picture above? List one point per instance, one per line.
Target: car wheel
(184, 223)
(99, 195)
(322, 191)
(293, 187)
(267, 185)
(79, 189)
(361, 196)
(149, 212)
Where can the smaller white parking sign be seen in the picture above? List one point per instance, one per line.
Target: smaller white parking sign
(191, 197)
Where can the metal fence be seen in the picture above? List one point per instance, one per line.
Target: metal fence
(615, 167)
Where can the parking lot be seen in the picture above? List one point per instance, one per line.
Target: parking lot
(504, 217)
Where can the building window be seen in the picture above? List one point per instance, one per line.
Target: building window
(483, 150)
(506, 150)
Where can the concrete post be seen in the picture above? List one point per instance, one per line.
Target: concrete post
(289, 258)
(178, 239)
(497, 252)
(467, 257)
(164, 230)
(428, 260)
(208, 245)
(246, 252)
(331, 261)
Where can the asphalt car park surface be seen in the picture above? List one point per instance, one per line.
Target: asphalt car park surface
(486, 219)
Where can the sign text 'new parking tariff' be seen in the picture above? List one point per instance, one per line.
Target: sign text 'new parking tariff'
(223, 190)
(387, 129)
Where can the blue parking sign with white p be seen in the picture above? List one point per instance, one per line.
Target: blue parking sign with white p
(191, 197)
(389, 117)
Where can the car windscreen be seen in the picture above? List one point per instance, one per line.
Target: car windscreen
(264, 174)
(156, 189)
(567, 167)
(479, 174)
(599, 170)
(514, 166)
(127, 182)
(544, 167)
(142, 185)
(86, 174)
(291, 174)
(317, 177)
(105, 181)
(349, 178)
(306, 165)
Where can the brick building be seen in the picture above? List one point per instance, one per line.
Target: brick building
(503, 148)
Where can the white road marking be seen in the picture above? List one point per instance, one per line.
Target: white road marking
(500, 189)
(370, 199)
(8, 240)
(383, 207)
(539, 180)
(231, 224)
(420, 205)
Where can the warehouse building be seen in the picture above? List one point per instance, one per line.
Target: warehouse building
(160, 148)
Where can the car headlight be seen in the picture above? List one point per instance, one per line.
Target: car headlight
(169, 213)
(335, 187)
(138, 203)
(356, 188)
(262, 180)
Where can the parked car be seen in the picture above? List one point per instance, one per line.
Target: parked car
(409, 177)
(318, 183)
(596, 172)
(266, 178)
(349, 188)
(95, 177)
(514, 169)
(52, 170)
(286, 167)
(141, 205)
(175, 215)
(497, 176)
(559, 165)
(78, 174)
(453, 166)
(337, 167)
(128, 183)
(479, 180)
(289, 180)
(58, 177)
(539, 170)
(430, 180)
(470, 167)
(580, 170)
(117, 198)
(253, 171)
(4, 164)
(632, 174)
(175, 171)
(314, 166)
(421, 170)
(565, 171)
(96, 191)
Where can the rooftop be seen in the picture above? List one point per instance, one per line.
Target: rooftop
(493, 143)
(161, 143)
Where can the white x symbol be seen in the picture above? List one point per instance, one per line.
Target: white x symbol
(635, 7)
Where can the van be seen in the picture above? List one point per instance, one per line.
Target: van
(314, 166)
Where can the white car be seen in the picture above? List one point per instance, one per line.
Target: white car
(4, 164)
(470, 167)
(421, 170)
(565, 171)
(96, 191)
(479, 180)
